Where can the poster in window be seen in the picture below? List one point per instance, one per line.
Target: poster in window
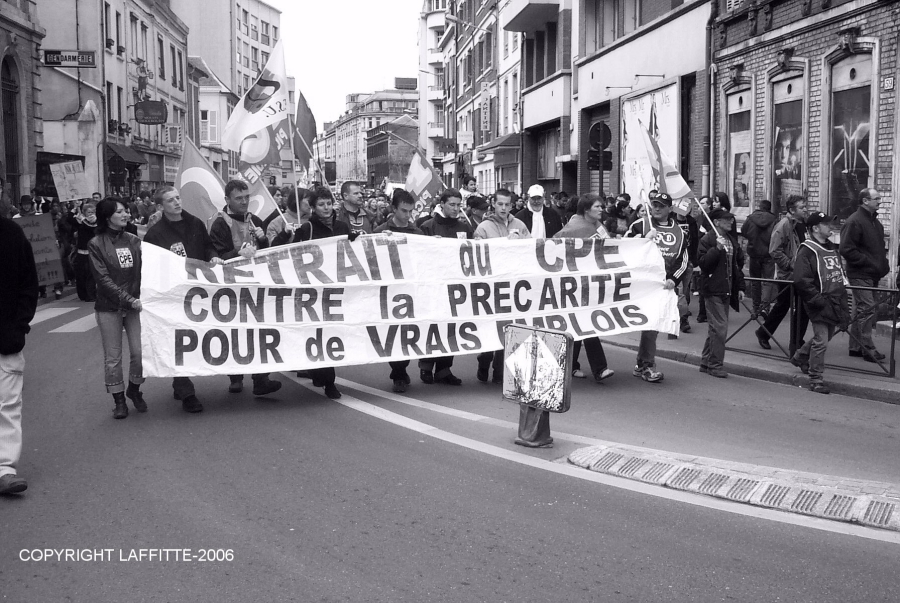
(658, 114)
(787, 152)
(850, 166)
(739, 148)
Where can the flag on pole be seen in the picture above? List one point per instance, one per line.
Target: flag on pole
(262, 149)
(304, 131)
(200, 186)
(264, 104)
(262, 205)
(664, 176)
(421, 181)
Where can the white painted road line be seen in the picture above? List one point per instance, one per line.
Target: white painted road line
(607, 480)
(81, 325)
(48, 313)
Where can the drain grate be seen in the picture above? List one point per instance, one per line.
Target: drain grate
(712, 483)
(657, 472)
(879, 513)
(742, 489)
(839, 507)
(774, 495)
(684, 478)
(632, 466)
(606, 461)
(806, 501)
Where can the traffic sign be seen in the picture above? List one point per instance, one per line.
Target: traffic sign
(85, 59)
(537, 367)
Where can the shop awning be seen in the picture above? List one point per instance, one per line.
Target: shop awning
(510, 140)
(126, 153)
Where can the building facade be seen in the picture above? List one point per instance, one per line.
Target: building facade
(21, 87)
(390, 148)
(432, 82)
(805, 102)
(216, 102)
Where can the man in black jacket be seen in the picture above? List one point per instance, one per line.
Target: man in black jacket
(18, 301)
(721, 285)
(819, 280)
(757, 229)
(234, 233)
(549, 223)
(444, 223)
(862, 246)
(184, 235)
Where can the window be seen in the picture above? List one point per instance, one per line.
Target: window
(505, 43)
(161, 51)
(787, 139)
(254, 29)
(209, 126)
(264, 32)
(740, 146)
(109, 104)
(551, 48)
(118, 28)
(265, 58)
(180, 71)
(174, 62)
(632, 18)
(274, 34)
(144, 46)
(107, 26)
(505, 106)
(120, 106)
(851, 123)
(548, 150)
(515, 41)
(488, 50)
(134, 35)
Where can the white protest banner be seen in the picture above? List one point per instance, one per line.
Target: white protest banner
(333, 302)
(70, 181)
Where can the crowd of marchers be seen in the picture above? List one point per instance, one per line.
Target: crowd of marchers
(702, 254)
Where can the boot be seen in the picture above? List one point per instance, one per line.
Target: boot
(137, 398)
(121, 410)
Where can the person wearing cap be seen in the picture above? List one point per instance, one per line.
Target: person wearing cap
(540, 223)
(669, 237)
(820, 282)
(476, 207)
(721, 285)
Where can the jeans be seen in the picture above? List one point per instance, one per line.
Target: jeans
(799, 319)
(12, 378)
(646, 355)
(183, 387)
(440, 366)
(814, 350)
(762, 293)
(863, 315)
(111, 325)
(683, 290)
(717, 308)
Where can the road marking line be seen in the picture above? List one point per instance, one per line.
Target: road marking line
(48, 313)
(606, 480)
(82, 325)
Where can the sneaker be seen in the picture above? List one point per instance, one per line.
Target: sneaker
(236, 387)
(648, 374)
(449, 380)
(263, 388)
(717, 372)
(191, 404)
(333, 392)
(819, 388)
(801, 363)
(604, 374)
(426, 377)
(482, 374)
(763, 339)
(704, 368)
(12, 484)
(578, 374)
(399, 386)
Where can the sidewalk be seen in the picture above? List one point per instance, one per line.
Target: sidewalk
(744, 356)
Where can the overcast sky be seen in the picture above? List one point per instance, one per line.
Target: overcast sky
(336, 47)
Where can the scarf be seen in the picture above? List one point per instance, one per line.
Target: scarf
(538, 230)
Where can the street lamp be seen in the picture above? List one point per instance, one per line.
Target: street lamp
(458, 21)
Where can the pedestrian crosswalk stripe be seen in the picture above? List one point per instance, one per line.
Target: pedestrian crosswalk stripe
(81, 325)
(48, 313)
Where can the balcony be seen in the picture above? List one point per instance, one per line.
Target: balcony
(529, 15)
(548, 100)
(435, 93)
(435, 129)
(435, 57)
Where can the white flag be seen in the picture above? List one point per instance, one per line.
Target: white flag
(264, 104)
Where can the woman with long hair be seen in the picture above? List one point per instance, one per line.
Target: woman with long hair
(116, 264)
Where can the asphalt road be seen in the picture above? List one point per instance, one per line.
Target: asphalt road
(318, 502)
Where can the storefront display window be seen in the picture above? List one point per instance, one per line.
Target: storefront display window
(851, 98)
(787, 141)
(740, 146)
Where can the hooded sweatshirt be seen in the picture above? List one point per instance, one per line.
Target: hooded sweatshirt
(495, 228)
(757, 229)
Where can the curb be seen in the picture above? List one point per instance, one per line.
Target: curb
(856, 389)
(871, 504)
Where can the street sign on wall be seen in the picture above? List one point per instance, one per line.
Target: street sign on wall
(151, 113)
(85, 59)
(485, 107)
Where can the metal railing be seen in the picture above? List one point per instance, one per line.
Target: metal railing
(886, 301)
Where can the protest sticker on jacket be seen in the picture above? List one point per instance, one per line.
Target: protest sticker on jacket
(333, 302)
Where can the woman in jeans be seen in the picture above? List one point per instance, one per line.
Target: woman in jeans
(116, 265)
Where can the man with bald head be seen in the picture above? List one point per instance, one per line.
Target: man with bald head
(862, 247)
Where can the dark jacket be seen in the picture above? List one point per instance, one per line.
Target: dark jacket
(116, 264)
(831, 307)
(552, 222)
(220, 234)
(84, 232)
(18, 287)
(187, 237)
(360, 223)
(714, 270)
(691, 235)
(757, 229)
(442, 226)
(410, 228)
(316, 229)
(862, 246)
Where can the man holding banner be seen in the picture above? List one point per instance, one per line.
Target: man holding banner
(237, 233)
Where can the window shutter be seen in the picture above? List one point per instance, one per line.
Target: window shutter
(214, 126)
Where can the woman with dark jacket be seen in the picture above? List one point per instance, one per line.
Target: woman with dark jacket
(85, 229)
(322, 225)
(115, 257)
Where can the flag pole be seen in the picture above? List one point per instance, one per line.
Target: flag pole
(420, 150)
(293, 168)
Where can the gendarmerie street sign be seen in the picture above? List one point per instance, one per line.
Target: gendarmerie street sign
(84, 59)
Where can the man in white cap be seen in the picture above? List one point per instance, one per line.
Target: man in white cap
(541, 223)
